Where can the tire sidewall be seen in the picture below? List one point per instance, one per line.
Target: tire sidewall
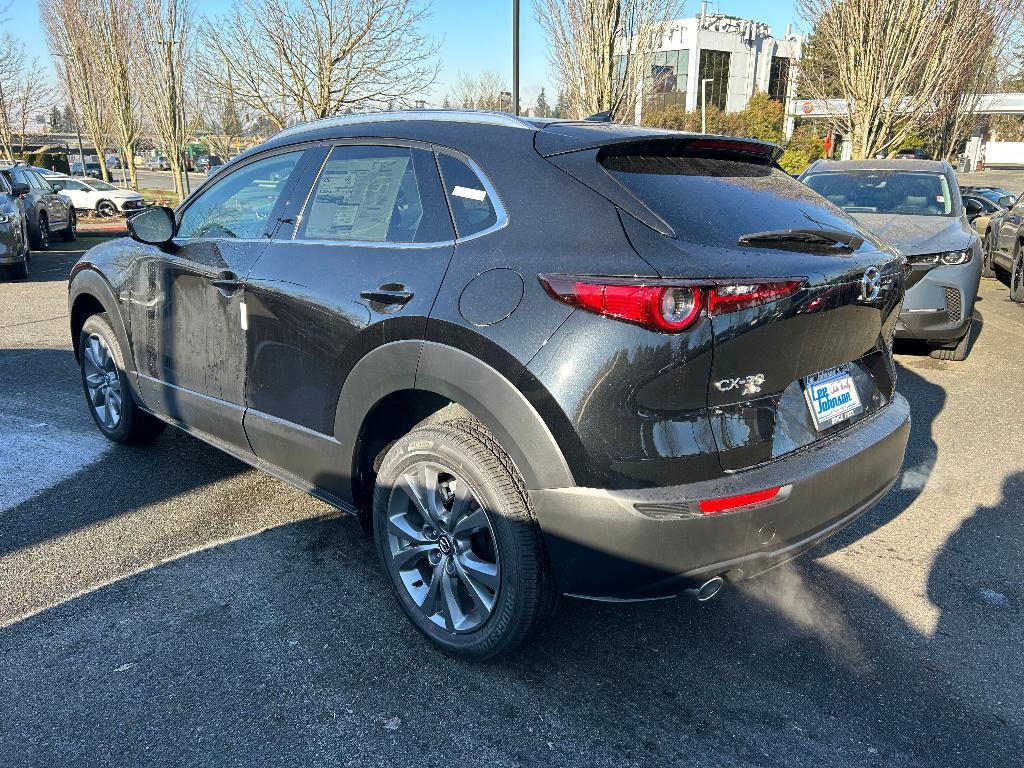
(100, 326)
(439, 446)
(1017, 280)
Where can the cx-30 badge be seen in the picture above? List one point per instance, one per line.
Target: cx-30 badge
(870, 284)
(748, 385)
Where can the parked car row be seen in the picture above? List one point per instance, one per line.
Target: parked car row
(32, 212)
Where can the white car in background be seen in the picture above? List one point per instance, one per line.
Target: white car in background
(94, 195)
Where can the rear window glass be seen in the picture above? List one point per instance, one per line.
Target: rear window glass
(715, 201)
(470, 200)
(898, 192)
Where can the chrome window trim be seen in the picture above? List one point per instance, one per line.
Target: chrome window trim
(499, 207)
(480, 117)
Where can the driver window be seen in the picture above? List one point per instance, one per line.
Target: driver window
(238, 206)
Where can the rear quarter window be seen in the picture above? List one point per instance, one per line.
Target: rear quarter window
(468, 196)
(715, 201)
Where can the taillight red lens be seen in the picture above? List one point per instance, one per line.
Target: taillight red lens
(743, 500)
(723, 299)
(661, 305)
(668, 308)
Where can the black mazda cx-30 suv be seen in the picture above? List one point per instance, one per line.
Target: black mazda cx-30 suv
(537, 357)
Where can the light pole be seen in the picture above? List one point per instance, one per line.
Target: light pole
(515, 57)
(704, 103)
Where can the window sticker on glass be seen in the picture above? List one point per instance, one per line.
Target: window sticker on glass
(469, 194)
(356, 197)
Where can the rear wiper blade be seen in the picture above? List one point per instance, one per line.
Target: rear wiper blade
(803, 238)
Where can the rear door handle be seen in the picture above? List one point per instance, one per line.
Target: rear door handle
(384, 295)
(226, 282)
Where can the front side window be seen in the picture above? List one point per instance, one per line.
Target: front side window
(238, 206)
(376, 195)
(915, 193)
(73, 186)
(470, 201)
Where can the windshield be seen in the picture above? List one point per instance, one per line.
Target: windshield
(872, 191)
(101, 186)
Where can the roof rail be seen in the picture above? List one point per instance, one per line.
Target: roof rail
(482, 117)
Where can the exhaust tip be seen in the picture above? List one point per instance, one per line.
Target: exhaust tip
(707, 590)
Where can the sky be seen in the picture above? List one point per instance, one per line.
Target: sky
(474, 35)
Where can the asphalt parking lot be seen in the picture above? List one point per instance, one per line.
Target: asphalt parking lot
(170, 606)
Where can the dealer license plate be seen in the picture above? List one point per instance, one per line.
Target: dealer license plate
(832, 397)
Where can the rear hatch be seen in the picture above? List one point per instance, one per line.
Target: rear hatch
(812, 359)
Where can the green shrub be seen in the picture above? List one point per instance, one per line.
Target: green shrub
(51, 161)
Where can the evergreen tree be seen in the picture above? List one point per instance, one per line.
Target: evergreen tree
(447, 103)
(560, 106)
(542, 109)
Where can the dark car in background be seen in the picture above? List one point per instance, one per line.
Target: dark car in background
(915, 205)
(518, 350)
(46, 211)
(1004, 247)
(205, 162)
(88, 168)
(998, 195)
(14, 245)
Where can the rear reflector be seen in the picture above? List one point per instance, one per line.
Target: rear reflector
(730, 503)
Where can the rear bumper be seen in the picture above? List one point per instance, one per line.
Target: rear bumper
(643, 544)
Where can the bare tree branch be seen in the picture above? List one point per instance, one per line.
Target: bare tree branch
(598, 50)
(299, 60)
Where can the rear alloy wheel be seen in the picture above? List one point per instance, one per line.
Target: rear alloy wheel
(988, 249)
(1017, 275)
(106, 209)
(106, 386)
(70, 233)
(42, 239)
(458, 541)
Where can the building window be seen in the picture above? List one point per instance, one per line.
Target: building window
(778, 78)
(665, 79)
(714, 65)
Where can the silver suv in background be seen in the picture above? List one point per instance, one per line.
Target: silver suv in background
(915, 206)
(14, 248)
(47, 212)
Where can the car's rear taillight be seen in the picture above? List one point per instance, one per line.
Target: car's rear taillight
(662, 305)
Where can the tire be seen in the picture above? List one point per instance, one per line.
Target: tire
(70, 233)
(505, 592)
(988, 249)
(106, 209)
(41, 241)
(105, 383)
(957, 352)
(17, 271)
(1017, 275)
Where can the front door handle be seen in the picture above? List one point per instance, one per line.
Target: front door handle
(226, 282)
(388, 294)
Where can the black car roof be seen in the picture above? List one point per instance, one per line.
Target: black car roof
(446, 127)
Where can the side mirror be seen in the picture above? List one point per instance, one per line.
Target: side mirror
(57, 187)
(153, 226)
(1007, 201)
(19, 189)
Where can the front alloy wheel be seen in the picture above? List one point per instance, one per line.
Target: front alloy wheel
(442, 548)
(102, 382)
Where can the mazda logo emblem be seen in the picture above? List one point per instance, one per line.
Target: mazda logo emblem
(446, 545)
(870, 284)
